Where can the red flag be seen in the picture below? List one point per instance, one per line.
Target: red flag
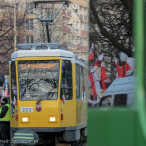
(95, 85)
(119, 70)
(7, 93)
(98, 60)
(127, 67)
(103, 76)
(63, 99)
(91, 55)
(93, 90)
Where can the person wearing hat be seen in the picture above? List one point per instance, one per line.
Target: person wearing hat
(5, 120)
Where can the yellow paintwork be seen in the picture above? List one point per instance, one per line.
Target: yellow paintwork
(81, 110)
(74, 113)
(69, 108)
(13, 122)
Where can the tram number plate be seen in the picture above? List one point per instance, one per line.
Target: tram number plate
(26, 109)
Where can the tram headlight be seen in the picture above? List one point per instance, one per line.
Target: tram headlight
(52, 119)
(25, 119)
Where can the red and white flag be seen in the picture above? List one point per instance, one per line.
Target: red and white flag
(7, 93)
(63, 99)
(103, 76)
(131, 62)
(94, 81)
(91, 53)
(98, 60)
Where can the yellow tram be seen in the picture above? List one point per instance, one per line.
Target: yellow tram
(48, 93)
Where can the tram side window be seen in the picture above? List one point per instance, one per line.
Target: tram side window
(85, 84)
(13, 80)
(77, 82)
(81, 82)
(66, 82)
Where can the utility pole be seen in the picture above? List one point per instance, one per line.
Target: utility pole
(15, 31)
(47, 29)
(51, 18)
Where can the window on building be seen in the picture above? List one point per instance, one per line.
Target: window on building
(17, 6)
(73, 38)
(29, 8)
(85, 27)
(66, 81)
(73, 23)
(69, 38)
(69, 13)
(29, 24)
(66, 20)
(29, 39)
(82, 26)
(65, 39)
(77, 23)
(81, 41)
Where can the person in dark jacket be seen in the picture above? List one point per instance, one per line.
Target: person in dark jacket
(5, 121)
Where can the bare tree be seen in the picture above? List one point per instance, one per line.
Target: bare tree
(111, 20)
(111, 29)
(7, 32)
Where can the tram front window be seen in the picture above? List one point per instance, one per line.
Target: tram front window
(38, 79)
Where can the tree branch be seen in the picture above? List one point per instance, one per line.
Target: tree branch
(108, 35)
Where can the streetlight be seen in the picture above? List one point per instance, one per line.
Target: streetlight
(123, 58)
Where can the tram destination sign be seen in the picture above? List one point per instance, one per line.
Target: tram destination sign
(50, 1)
(37, 66)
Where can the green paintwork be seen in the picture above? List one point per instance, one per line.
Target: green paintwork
(124, 126)
(107, 127)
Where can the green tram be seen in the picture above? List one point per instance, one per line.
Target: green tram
(125, 126)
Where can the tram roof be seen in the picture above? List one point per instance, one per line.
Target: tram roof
(41, 50)
(42, 53)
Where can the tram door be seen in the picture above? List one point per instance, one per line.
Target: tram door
(81, 80)
(66, 93)
(13, 94)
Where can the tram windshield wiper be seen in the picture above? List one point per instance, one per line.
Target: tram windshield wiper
(44, 97)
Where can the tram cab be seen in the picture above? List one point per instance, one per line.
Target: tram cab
(48, 92)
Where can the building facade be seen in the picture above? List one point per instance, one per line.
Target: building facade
(70, 27)
(20, 23)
